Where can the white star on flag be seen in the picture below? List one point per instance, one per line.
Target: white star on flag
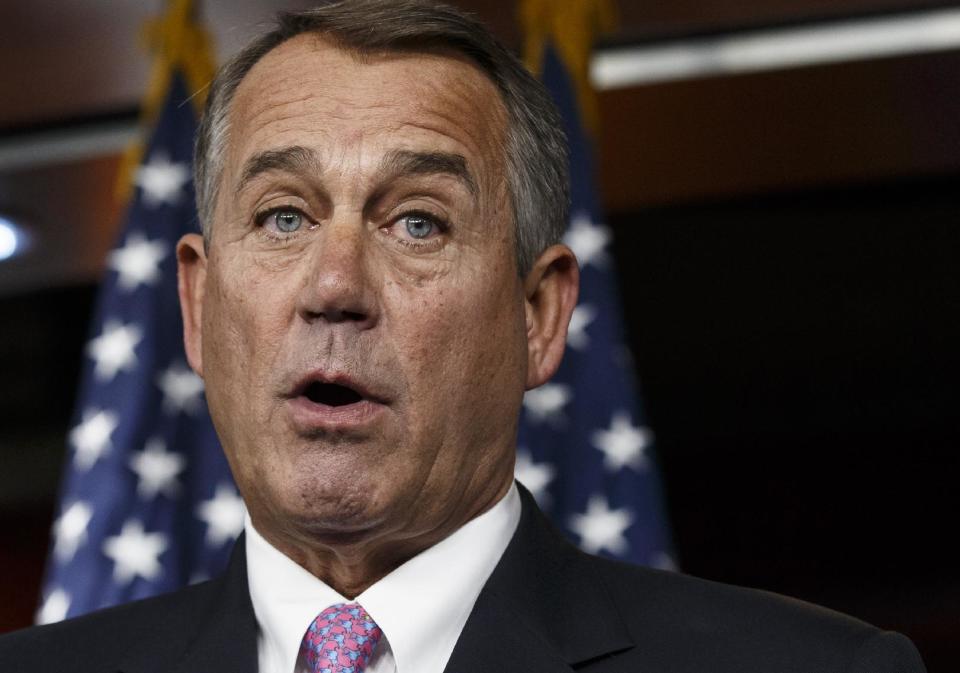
(138, 261)
(157, 470)
(181, 389)
(54, 608)
(624, 444)
(114, 349)
(223, 514)
(577, 336)
(601, 527)
(587, 240)
(162, 180)
(135, 553)
(547, 401)
(91, 438)
(70, 530)
(535, 476)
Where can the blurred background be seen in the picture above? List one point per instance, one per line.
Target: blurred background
(782, 178)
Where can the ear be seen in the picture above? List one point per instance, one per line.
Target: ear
(550, 288)
(191, 284)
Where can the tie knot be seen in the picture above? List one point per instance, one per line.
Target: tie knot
(340, 640)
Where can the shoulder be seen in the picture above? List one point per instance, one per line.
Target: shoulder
(104, 639)
(712, 626)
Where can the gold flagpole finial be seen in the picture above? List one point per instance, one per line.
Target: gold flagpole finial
(178, 42)
(572, 27)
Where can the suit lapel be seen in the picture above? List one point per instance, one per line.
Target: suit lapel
(541, 610)
(222, 637)
(495, 639)
(227, 640)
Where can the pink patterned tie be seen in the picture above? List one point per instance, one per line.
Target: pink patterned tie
(340, 640)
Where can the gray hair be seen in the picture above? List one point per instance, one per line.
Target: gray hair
(536, 148)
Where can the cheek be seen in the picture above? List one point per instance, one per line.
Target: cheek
(245, 319)
(461, 341)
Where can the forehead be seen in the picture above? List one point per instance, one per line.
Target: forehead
(307, 91)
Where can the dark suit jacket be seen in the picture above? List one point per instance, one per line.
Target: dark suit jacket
(547, 608)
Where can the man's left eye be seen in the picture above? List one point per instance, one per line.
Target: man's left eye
(420, 225)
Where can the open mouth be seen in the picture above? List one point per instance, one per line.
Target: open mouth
(325, 402)
(331, 394)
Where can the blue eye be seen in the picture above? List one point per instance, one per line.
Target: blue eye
(280, 220)
(419, 226)
(287, 221)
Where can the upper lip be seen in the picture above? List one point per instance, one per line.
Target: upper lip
(336, 378)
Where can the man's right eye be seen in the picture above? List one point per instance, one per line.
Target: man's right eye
(281, 220)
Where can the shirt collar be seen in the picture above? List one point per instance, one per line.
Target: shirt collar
(422, 606)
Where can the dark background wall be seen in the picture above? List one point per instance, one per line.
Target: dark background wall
(787, 245)
(799, 357)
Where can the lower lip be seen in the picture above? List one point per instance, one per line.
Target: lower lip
(311, 416)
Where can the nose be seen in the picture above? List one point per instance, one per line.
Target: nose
(339, 288)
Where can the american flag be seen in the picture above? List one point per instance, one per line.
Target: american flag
(585, 450)
(147, 502)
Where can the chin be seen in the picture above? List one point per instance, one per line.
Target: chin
(324, 506)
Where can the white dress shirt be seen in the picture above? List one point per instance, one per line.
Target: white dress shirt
(421, 607)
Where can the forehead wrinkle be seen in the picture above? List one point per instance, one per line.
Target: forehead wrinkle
(484, 157)
(485, 141)
(256, 103)
(289, 103)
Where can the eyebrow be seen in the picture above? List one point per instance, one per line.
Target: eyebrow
(402, 163)
(294, 159)
(300, 160)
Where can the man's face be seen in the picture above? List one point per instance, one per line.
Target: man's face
(363, 330)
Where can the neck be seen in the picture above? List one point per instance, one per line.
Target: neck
(350, 563)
